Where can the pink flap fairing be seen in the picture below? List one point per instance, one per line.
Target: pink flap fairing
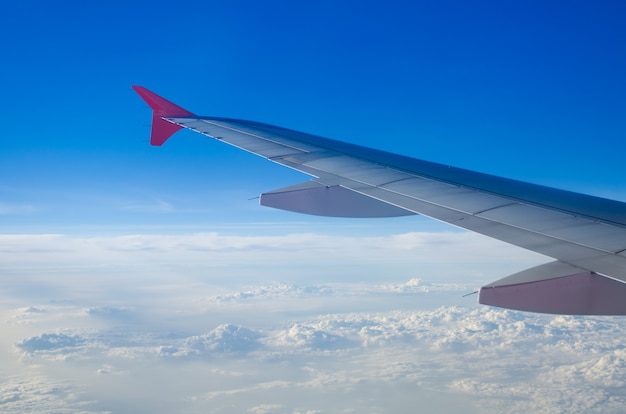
(331, 201)
(585, 293)
(161, 108)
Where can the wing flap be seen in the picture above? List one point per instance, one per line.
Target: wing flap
(560, 225)
(459, 198)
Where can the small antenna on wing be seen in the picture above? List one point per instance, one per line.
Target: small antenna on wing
(472, 293)
(254, 198)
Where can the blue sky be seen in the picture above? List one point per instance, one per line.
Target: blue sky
(134, 275)
(533, 91)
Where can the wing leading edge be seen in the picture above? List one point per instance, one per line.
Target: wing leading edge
(586, 235)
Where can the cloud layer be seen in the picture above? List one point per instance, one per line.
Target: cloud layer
(288, 324)
(489, 360)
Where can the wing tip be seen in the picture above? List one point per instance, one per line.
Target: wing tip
(161, 108)
(159, 104)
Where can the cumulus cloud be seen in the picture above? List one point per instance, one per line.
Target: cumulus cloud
(311, 337)
(493, 359)
(50, 342)
(225, 339)
(108, 312)
(26, 315)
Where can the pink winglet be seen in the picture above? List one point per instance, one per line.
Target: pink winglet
(581, 294)
(161, 107)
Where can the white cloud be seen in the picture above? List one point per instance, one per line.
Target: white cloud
(266, 409)
(50, 342)
(114, 314)
(448, 256)
(12, 208)
(311, 338)
(493, 359)
(38, 394)
(160, 207)
(225, 339)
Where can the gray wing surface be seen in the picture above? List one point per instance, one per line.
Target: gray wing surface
(586, 235)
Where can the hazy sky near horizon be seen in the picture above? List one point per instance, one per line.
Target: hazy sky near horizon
(135, 278)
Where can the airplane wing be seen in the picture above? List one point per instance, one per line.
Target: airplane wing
(585, 235)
